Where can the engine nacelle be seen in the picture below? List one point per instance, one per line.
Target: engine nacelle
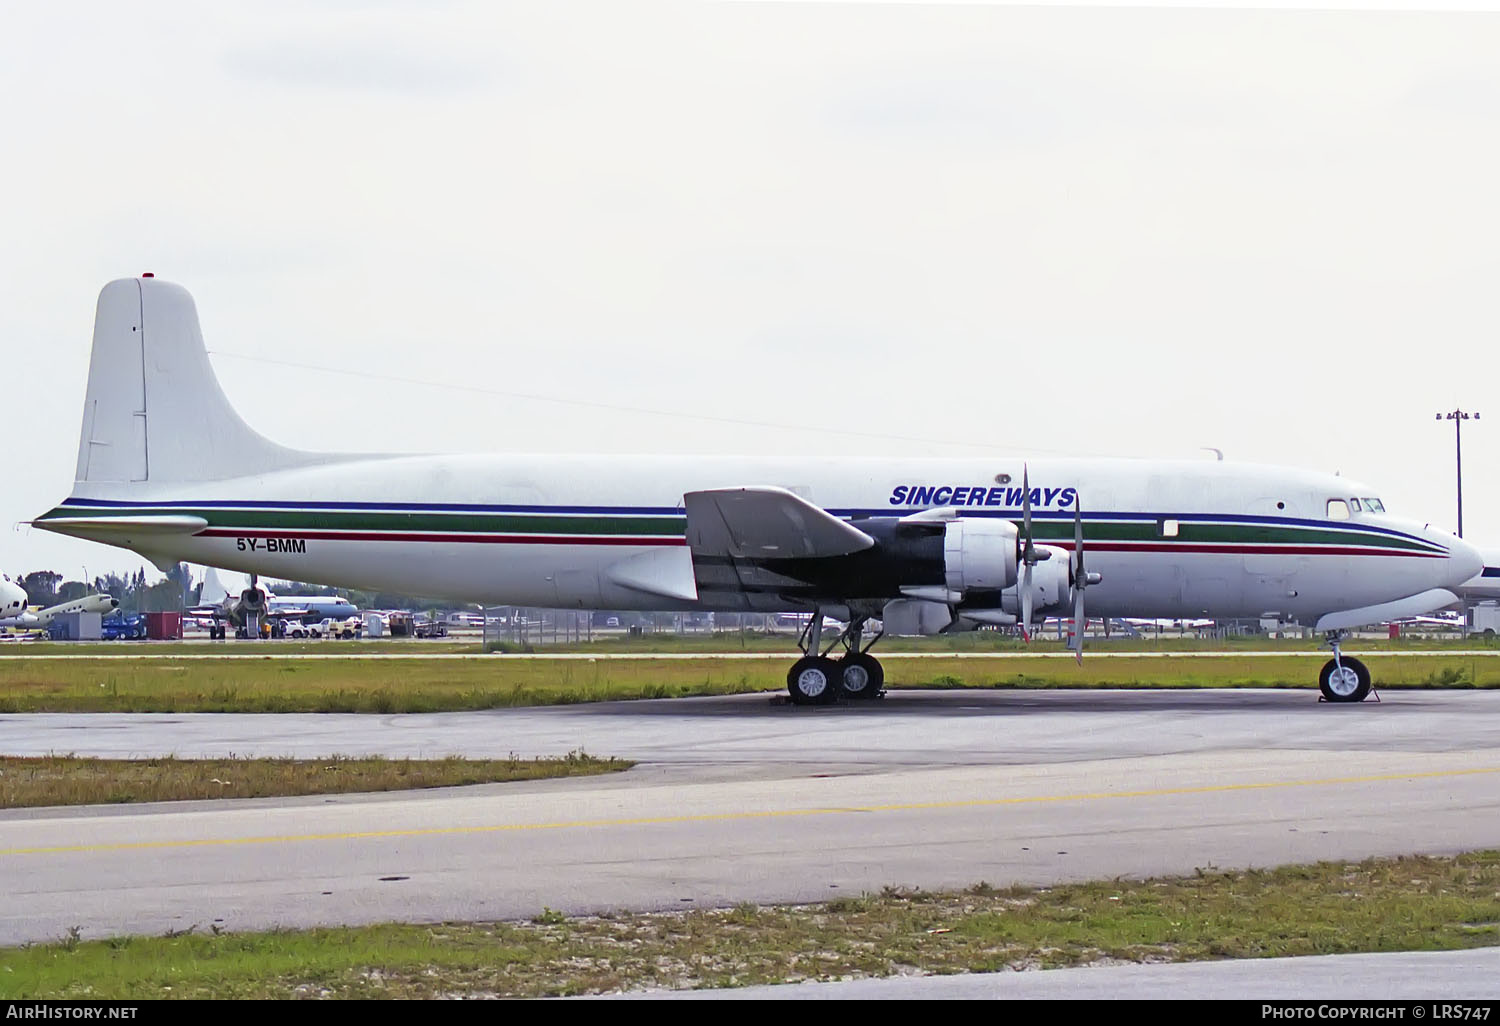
(1051, 590)
(908, 617)
(979, 554)
(252, 603)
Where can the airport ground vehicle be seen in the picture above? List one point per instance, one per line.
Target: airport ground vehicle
(430, 629)
(331, 628)
(1484, 619)
(122, 627)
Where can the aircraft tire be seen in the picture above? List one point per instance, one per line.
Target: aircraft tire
(813, 680)
(860, 676)
(1353, 685)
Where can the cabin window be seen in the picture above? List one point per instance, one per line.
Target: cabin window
(1354, 505)
(1166, 528)
(1374, 506)
(1338, 509)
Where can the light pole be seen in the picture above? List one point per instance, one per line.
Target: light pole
(1458, 417)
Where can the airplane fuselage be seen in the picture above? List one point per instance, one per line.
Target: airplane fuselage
(1171, 539)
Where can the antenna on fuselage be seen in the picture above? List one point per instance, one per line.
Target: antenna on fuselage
(1218, 453)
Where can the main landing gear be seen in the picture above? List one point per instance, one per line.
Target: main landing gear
(815, 679)
(1343, 678)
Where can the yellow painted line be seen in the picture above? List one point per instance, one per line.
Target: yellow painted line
(747, 815)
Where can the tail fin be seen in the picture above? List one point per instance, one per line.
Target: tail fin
(155, 411)
(214, 592)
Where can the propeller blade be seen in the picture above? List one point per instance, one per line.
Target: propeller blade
(1029, 551)
(1026, 602)
(1078, 574)
(1081, 579)
(1076, 641)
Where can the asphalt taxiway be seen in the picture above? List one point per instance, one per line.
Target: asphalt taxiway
(743, 799)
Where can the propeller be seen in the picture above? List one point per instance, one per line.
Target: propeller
(1028, 553)
(1081, 579)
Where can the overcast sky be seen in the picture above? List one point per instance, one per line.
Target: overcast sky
(1088, 231)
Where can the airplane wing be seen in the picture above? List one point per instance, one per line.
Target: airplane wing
(743, 543)
(752, 547)
(1414, 605)
(766, 523)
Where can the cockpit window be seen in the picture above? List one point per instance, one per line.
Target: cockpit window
(1354, 505)
(1338, 509)
(1374, 505)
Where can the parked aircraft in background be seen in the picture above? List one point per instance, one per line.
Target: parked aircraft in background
(42, 618)
(167, 469)
(255, 600)
(12, 597)
(309, 607)
(1485, 585)
(244, 609)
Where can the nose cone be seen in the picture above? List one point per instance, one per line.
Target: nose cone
(1464, 561)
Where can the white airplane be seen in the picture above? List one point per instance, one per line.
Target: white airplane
(12, 597)
(1485, 585)
(167, 469)
(42, 618)
(255, 603)
(309, 606)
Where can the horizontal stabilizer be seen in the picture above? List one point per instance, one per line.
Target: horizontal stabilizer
(665, 572)
(1413, 605)
(114, 528)
(766, 523)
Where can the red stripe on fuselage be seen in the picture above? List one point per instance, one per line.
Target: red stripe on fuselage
(583, 539)
(487, 539)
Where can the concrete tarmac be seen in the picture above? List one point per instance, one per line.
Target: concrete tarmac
(1439, 978)
(741, 799)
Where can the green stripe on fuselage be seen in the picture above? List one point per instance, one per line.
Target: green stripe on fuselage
(645, 525)
(1189, 531)
(397, 522)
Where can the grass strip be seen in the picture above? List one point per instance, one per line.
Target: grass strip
(745, 641)
(161, 684)
(69, 780)
(1405, 904)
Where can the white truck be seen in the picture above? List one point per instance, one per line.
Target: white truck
(1485, 619)
(331, 628)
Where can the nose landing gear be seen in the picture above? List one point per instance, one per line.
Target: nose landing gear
(1343, 678)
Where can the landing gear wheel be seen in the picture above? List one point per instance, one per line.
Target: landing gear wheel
(1344, 681)
(860, 675)
(813, 680)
